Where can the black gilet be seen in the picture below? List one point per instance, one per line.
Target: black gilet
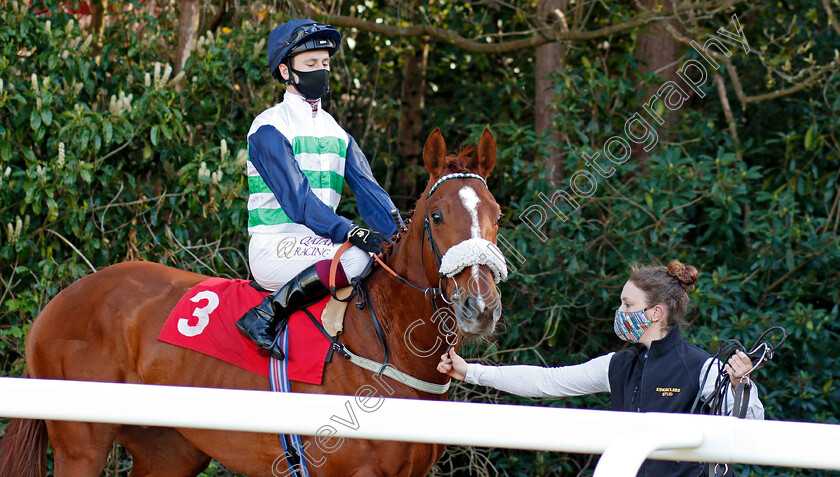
(666, 380)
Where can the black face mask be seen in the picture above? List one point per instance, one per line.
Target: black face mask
(311, 84)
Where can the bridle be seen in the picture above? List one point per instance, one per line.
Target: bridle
(431, 294)
(761, 352)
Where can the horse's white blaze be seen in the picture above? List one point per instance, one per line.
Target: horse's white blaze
(474, 251)
(470, 200)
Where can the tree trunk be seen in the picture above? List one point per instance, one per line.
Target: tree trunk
(411, 115)
(188, 31)
(220, 15)
(97, 16)
(657, 52)
(550, 57)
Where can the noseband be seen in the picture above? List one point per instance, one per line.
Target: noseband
(427, 225)
(431, 293)
(474, 251)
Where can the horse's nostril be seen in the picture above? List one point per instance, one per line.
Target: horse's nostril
(471, 305)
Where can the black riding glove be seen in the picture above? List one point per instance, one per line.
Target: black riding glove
(367, 240)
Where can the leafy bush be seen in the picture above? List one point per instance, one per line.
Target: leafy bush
(106, 156)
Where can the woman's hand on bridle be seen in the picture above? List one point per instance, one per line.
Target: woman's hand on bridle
(453, 365)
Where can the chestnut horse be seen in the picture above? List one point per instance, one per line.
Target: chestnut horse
(104, 327)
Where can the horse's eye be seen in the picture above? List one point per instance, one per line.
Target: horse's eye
(499, 220)
(436, 217)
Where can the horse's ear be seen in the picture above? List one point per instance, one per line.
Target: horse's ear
(485, 157)
(434, 152)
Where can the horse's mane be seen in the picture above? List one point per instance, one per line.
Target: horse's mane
(452, 164)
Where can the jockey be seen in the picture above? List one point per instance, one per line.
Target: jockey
(299, 159)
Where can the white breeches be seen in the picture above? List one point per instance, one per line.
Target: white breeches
(277, 258)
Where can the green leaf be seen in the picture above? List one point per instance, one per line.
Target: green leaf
(649, 199)
(107, 131)
(85, 175)
(46, 117)
(85, 139)
(35, 120)
(809, 137)
(154, 135)
(660, 107)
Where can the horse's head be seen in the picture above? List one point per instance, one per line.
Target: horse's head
(460, 219)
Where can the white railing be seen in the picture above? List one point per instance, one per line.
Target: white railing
(624, 439)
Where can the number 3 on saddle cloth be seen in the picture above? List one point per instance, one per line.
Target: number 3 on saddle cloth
(204, 320)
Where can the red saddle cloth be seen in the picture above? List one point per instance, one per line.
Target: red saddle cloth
(204, 320)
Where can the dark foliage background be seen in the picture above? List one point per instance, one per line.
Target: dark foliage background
(105, 156)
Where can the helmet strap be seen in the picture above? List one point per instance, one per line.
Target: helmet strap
(291, 80)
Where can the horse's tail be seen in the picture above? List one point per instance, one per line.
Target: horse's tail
(23, 449)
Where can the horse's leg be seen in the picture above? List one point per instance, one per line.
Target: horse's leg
(247, 453)
(80, 449)
(161, 452)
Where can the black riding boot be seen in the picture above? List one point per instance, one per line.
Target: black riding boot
(259, 322)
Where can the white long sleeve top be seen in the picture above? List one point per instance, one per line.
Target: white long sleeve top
(587, 378)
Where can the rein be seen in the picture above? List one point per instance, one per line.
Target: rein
(430, 293)
(761, 353)
(382, 368)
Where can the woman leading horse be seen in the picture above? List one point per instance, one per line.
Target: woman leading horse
(104, 327)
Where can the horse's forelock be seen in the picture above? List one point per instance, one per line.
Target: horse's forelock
(458, 163)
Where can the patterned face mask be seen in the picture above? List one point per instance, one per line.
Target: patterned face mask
(630, 326)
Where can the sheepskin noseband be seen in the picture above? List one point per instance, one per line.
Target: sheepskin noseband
(474, 251)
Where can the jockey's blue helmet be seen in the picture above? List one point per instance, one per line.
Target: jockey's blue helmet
(299, 35)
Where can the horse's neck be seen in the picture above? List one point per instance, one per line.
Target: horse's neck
(406, 316)
(407, 257)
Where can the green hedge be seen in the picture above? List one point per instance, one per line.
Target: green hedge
(104, 157)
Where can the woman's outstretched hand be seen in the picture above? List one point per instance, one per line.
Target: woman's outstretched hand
(453, 365)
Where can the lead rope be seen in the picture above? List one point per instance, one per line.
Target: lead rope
(761, 353)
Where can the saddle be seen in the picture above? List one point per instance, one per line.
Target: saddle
(204, 320)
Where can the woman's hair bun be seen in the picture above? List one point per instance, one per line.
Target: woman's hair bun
(686, 274)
